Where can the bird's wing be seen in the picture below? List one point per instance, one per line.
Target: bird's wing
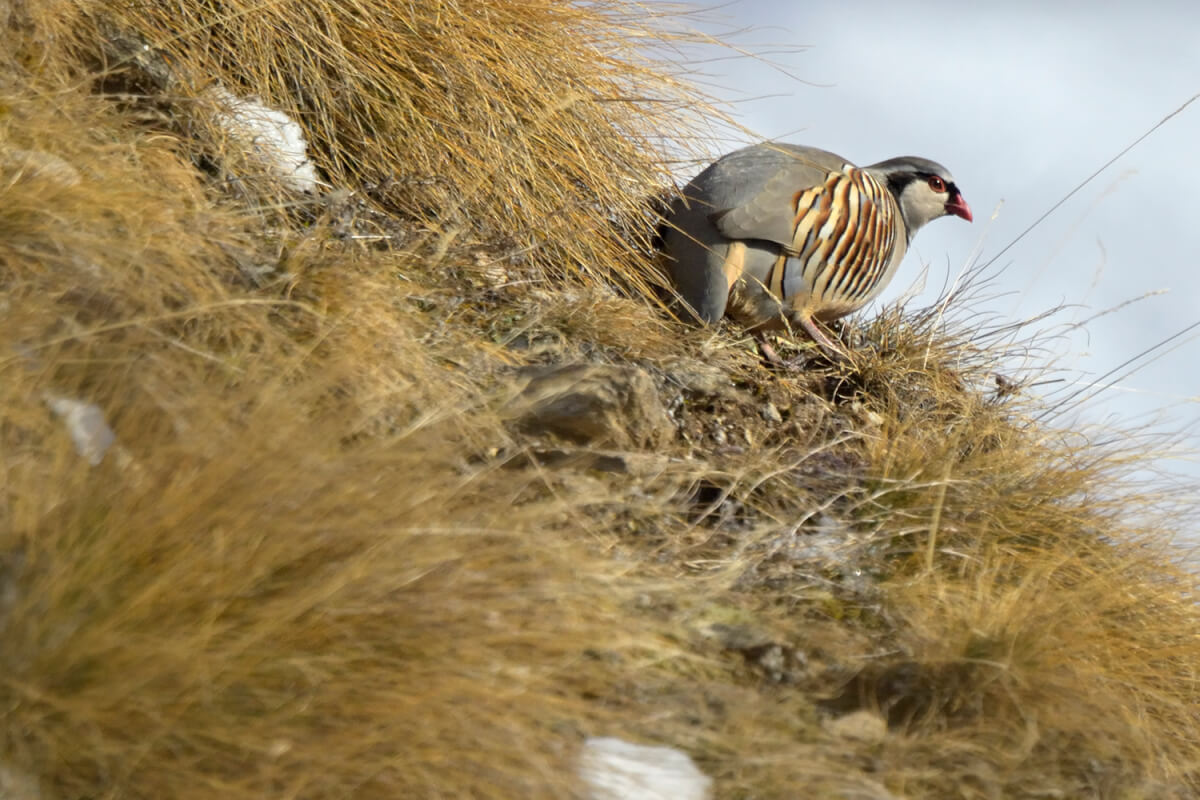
(752, 192)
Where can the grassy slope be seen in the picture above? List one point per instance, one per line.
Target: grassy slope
(324, 560)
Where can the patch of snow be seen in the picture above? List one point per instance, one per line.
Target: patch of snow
(614, 769)
(86, 424)
(272, 136)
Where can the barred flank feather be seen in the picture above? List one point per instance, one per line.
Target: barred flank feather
(844, 239)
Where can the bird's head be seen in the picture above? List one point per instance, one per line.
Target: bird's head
(924, 190)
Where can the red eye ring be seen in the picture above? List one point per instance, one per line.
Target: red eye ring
(937, 184)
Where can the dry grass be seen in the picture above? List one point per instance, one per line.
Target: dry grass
(323, 559)
(531, 124)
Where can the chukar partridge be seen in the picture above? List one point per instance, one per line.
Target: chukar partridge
(777, 232)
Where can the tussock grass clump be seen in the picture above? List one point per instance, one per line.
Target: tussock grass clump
(530, 124)
(1025, 586)
(332, 552)
(281, 615)
(235, 562)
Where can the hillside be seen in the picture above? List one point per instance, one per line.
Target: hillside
(390, 475)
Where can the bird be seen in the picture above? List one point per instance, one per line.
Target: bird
(783, 235)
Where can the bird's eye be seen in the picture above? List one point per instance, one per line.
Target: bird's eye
(937, 184)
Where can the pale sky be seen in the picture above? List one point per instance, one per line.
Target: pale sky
(1021, 101)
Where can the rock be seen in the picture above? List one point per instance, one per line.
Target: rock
(38, 166)
(11, 564)
(866, 789)
(777, 662)
(85, 422)
(699, 378)
(738, 636)
(613, 769)
(593, 404)
(615, 463)
(859, 726)
(16, 785)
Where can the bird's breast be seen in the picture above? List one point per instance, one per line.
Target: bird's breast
(847, 239)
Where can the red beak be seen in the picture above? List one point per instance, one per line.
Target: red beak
(958, 207)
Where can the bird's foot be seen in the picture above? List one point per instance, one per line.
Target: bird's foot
(776, 361)
(835, 352)
(771, 356)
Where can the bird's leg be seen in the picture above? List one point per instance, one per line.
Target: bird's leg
(810, 326)
(768, 352)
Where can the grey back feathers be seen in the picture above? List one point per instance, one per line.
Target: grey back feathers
(777, 232)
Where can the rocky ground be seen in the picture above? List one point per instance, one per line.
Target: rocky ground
(370, 462)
